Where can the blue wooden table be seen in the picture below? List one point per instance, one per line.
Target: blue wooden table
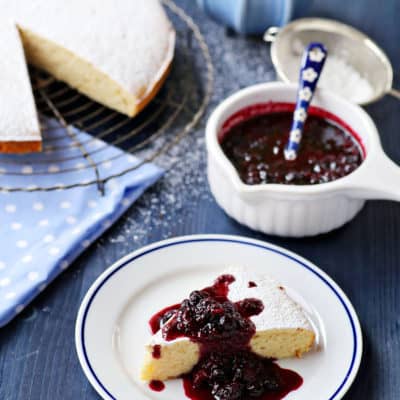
(37, 353)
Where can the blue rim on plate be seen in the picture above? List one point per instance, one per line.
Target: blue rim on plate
(102, 280)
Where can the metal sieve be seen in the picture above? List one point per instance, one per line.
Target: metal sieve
(346, 43)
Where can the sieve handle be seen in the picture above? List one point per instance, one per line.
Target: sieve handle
(395, 93)
(271, 33)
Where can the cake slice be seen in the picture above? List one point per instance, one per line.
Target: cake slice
(19, 126)
(251, 312)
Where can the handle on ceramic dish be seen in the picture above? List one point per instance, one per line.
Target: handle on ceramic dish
(379, 181)
(311, 67)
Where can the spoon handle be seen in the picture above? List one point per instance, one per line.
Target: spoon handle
(395, 93)
(311, 67)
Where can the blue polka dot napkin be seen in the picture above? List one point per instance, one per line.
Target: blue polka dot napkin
(43, 232)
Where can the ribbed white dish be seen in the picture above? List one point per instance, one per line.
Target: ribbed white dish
(290, 210)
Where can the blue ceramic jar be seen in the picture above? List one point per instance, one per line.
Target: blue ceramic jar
(254, 16)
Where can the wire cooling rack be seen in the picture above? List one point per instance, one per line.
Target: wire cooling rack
(151, 135)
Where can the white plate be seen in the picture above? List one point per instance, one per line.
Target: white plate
(111, 327)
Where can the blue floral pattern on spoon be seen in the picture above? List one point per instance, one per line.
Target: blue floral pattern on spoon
(311, 67)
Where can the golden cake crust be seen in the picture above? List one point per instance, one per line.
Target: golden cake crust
(20, 146)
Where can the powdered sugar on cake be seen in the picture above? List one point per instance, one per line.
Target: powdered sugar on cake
(18, 118)
(280, 311)
(128, 40)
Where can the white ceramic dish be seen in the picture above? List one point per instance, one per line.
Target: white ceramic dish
(290, 210)
(111, 327)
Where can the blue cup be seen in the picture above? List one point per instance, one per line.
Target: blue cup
(252, 17)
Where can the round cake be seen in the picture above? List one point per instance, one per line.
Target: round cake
(117, 53)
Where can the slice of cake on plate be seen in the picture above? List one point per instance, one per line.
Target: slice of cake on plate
(241, 313)
(116, 52)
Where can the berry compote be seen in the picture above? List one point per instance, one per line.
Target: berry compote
(254, 140)
(227, 369)
(240, 375)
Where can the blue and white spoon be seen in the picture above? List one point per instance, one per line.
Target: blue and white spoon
(311, 67)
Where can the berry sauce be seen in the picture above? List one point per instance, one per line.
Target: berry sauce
(254, 140)
(159, 319)
(239, 376)
(156, 353)
(156, 386)
(227, 369)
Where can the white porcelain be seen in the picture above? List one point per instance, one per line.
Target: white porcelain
(290, 210)
(112, 324)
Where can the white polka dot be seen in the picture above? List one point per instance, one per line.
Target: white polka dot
(59, 186)
(10, 295)
(42, 287)
(33, 276)
(86, 243)
(64, 264)
(80, 165)
(19, 308)
(43, 222)
(32, 188)
(70, 219)
(2, 171)
(53, 168)
(106, 224)
(5, 190)
(92, 203)
(54, 251)
(10, 208)
(125, 202)
(113, 184)
(27, 169)
(76, 231)
(131, 159)
(107, 164)
(2, 265)
(95, 144)
(5, 282)
(22, 244)
(65, 204)
(16, 226)
(38, 206)
(97, 215)
(48, 238)
(27, 259)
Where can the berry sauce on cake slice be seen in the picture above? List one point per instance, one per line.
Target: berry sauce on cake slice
(215, 332)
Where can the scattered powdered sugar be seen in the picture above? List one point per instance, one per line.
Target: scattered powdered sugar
(172, 200)
(343, 79)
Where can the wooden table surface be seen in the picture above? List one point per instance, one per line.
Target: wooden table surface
(37, 353)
